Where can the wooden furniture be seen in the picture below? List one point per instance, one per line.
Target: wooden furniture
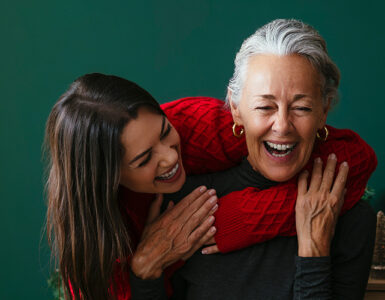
(375, 289)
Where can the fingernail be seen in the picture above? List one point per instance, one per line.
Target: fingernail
(214, 208)
(211, 219)
(204, 251)
(213, 229)
(318, 160)
(332, 156)
(345, 164)
(213, 199)
(202, 189)
(212, 192)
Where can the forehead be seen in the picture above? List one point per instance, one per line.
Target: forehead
(141, 133)
(289, 74)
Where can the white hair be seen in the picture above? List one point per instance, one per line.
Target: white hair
(284, 37)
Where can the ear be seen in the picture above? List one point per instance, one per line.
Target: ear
(326, 109)
(234, 109)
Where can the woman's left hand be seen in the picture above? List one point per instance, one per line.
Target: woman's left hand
(318, 207)
(212, 247)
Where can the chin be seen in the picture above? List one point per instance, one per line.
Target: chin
(279, 175)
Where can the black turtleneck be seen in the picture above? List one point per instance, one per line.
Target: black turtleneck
(271, 270)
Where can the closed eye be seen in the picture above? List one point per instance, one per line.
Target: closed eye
(144, 162)
(264, 107)
(303, 108)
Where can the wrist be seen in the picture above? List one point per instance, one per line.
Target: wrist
(309, 248)
(143, 268)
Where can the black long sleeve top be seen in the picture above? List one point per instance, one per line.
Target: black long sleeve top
(271, 270)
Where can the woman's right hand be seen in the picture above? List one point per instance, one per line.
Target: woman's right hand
(176, 234)
(318, 207)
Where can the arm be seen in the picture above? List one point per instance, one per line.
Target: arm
(352, 250)
(208, 145)
(333, 259)
(176, 234)
(344, 274)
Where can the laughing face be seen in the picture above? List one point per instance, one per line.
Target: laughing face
(152, 159)
(281, 109)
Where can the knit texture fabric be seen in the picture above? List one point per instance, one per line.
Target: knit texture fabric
(252, 215)
(249, 216)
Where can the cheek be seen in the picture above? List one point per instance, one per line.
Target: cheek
(255, 127)
(137, 178)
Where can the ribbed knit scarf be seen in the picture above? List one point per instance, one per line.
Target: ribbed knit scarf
(252, 215)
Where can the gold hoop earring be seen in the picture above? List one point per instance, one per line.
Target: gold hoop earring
(324, 136)
(237, 134)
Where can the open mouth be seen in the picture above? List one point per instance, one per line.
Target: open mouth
(279, 150)
(170, 174)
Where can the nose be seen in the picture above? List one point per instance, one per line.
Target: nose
(168, 156)
(282, 124)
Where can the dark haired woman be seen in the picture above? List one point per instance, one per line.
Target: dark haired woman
(94, 156)
(107, 139)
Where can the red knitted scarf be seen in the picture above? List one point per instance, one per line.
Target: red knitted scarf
(252, 216)
(249, 216)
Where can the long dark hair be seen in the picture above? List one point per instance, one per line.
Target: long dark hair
(85, 227)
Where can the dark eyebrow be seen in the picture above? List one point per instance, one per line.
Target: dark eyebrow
(162, 129)
(140, 155)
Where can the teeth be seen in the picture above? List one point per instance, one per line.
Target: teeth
(281, 147)
(280, 155)
(169, 174)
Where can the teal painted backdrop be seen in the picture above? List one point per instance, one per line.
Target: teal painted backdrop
(173, 49)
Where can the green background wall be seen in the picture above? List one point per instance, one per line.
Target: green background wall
(171, 48)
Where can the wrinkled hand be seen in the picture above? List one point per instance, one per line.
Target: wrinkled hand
(318, 207)
(212, 247)
(176, 234)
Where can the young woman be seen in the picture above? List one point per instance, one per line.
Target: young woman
(109, 142)
(92, 135)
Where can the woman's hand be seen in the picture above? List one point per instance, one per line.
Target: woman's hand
(176, 234)
(318, 207)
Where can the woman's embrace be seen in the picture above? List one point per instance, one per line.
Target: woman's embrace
(283, 87)
(268, 184)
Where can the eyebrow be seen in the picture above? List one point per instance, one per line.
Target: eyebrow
(272, 97)
(149, 149)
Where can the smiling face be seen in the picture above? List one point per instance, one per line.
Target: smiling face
(152, 159)
(281, 109)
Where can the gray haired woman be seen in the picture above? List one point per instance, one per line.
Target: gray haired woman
(283, 87)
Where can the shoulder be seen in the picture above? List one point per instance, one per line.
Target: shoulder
(355, 229)
(360, 215)
(192, 103)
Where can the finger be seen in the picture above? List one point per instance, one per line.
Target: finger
(202, 230)
(343, 197)
(302, 182)
(199, 209)
(170, 206)
(316, 175)
(154, 210)
(210, 241)
(204, 212)
(340, 182)
(328, 175)
(181, 206)
(207, 234)
(210, 250)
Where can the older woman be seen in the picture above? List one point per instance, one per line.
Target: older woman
(282, 89)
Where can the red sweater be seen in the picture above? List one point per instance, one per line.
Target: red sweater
(249, 216)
